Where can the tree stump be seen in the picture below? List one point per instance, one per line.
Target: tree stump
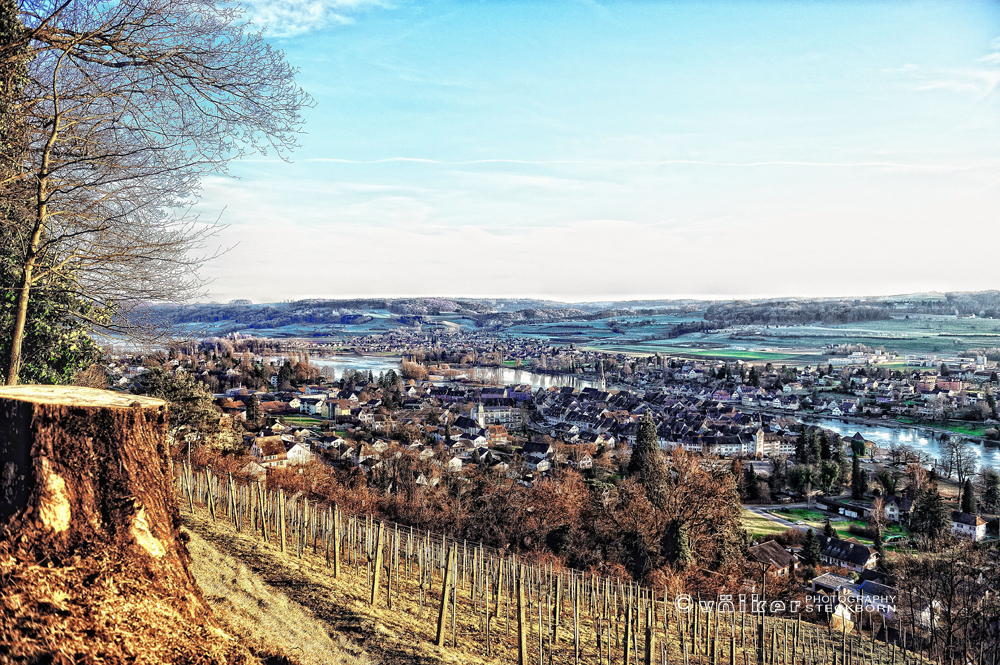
(87, 508)
(85, 469)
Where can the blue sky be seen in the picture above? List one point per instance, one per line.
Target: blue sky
(578, 150)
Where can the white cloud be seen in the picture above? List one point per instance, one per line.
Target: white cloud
(291, 18)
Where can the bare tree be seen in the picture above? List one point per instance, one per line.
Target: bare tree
(959, 458)
(128, 104)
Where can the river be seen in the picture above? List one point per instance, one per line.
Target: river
(918, 439)
(503, 376)
(921, 440)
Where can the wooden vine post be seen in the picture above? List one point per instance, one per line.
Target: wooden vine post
(336, 542)
(378, 564)
(576, 623)
(445, 588)
(281, 517)
(522, 621)
(650, 637)
(628, 631)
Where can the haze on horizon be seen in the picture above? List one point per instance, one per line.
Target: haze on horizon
(581, 151)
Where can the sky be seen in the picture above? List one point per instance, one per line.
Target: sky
(605, 150)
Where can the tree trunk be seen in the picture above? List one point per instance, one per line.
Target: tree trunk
(85, 473)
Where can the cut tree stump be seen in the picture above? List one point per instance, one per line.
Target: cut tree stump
(85, 472)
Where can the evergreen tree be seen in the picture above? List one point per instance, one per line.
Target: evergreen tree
(829, 475)
(929, 517)
(824, 445)
(752, 484)
(811, 552)
(828, 529)
(802, 448)
(991, 491)
(859, 479)
(647, 459)
(858, 448)
(254, 415)
(968, 498)
(285, 373)
(883, 559)
(815, 447)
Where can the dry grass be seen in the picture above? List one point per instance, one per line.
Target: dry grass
(95, 611)
(758, 525)
(263, 618)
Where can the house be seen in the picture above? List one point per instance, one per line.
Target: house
(254, 471)
(498, 434)
(778, 560)
(424, 481)
(537, 448)
(842, 508)
(312, 404)
(831, 584)
(890, 510)
(537, 463)
(849, 554)
(966, 525)
(299, 453)
(338, 408)
(585, 462)
(880, 597)
(833, 594)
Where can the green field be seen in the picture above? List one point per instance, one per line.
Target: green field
(760, 526)
(804, 514)
(304, 421)
(968, 429)
(816, 519)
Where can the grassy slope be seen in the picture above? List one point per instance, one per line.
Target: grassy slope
(399, 635)
(263, 618)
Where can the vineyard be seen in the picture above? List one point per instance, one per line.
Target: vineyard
(461, 599)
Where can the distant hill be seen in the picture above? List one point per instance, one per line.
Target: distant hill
(353, 313)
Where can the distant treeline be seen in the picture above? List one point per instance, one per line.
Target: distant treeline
(797, 312)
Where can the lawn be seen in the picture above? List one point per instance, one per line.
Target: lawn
(303, 421)
(803, 514)
(968, 429)
(760, 526)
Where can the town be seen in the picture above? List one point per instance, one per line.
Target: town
(822, 513)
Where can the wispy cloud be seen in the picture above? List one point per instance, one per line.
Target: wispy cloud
(291, 18)
(979, 81)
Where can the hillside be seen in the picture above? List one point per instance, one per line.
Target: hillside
(325, 317)
(261, 616)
